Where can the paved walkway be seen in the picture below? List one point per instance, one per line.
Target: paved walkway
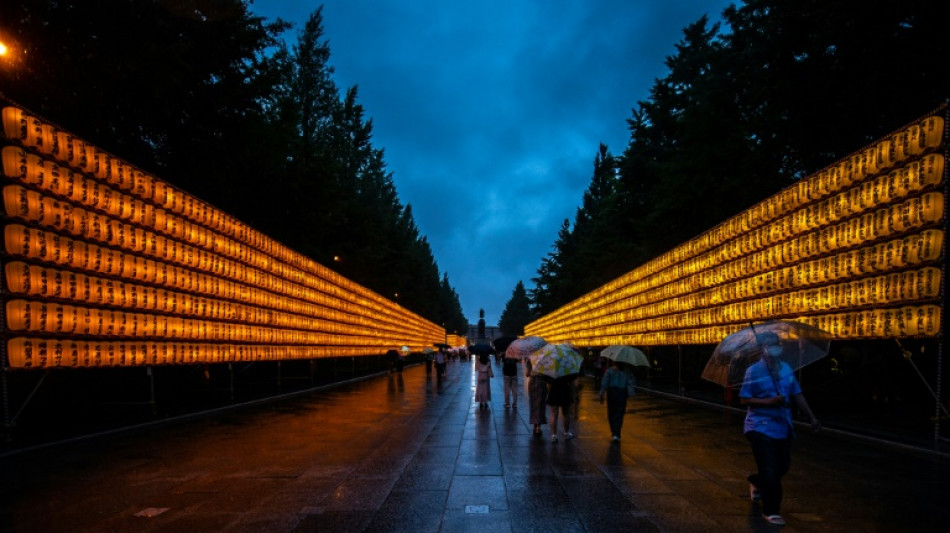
(403, 453)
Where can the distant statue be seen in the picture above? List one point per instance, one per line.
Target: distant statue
(481, 323)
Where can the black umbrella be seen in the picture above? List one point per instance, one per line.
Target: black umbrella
(442, 345)
(482, 348)
(501, 343)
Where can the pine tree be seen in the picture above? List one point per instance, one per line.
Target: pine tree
(517, 313)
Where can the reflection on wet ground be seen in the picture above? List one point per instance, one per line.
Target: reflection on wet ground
(406, 452)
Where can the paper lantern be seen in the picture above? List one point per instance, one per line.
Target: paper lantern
(931, 133)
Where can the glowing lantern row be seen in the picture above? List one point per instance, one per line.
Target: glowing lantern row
(757, 274)
(45, 317)
(141, 204)
(455, 340)
(877, 291)
(914, 176)
(26, 352)
(47, 139)
(912, 213)
(704, 309)
(31, 206)
(908, 321)
(36, 281)
(44, 282)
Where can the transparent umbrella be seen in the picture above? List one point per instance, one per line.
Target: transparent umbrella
(801, 344)
(525, 346)
(625, 354)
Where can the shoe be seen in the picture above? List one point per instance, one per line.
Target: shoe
(754, 495)
(507, 405)
(774, 519)
(568, 436)
(553, 438)
(616, 438)
(514, 406)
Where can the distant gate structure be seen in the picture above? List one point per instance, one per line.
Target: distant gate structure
(857, 249)
(105, 265)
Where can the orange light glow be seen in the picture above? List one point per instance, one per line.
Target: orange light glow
(854, 249)
(113, 267)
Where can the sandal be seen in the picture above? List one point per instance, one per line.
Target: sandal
(774, 519)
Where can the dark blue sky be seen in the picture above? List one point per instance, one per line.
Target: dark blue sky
(490, 113)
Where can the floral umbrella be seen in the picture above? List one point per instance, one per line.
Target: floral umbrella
(524, 347)
(555, 361)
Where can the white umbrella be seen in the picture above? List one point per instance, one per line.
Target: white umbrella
(625, 354)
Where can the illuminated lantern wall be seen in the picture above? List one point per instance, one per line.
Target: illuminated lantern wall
(455, 340)
(106, 265)
(857, 249)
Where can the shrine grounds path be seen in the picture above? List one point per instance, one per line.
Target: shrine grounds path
(403, 452)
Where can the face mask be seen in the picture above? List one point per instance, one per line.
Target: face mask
(774, 350)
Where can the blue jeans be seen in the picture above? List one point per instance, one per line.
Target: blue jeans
(772, 457)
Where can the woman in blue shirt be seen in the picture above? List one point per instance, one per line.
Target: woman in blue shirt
(768, 386)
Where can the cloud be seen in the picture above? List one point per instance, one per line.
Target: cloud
(490, 113)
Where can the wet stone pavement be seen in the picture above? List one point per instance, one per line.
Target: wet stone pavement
(405, 453)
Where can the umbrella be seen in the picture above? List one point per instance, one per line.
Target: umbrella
(801, 344)
(482, 348)
(524, 346)
(556, 361)
(625, 354)
(442, 345)
(501, 343)
(405, 350)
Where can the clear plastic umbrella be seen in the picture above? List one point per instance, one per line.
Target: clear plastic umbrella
(801, 344)
(555, 361)
(625, 354)
(524, 347)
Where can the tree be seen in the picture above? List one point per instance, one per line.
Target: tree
(177, 88)
(204, 94)
(450, 310)
(745, 110)
(517, 313)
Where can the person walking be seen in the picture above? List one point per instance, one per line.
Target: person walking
(617, 385)
(768, 386)
(560, 399)
(483, 382)
(509, 372)
(440, 365)
(537, 397)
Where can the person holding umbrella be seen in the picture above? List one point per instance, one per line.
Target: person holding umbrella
(617, 385)
(439, 365)
(560, 399)
(537, 383)
(767, 387)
